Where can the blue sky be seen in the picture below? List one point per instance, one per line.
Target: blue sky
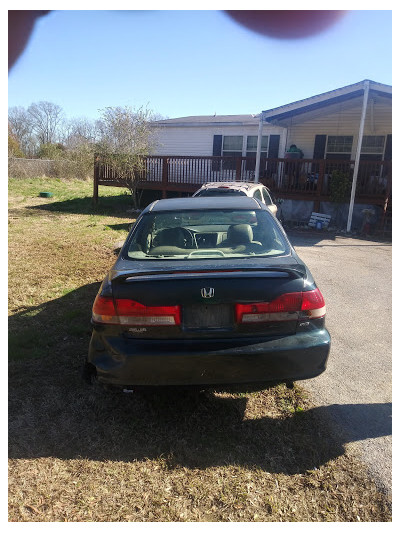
(179, 63)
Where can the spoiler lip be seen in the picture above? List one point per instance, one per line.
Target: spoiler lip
(295, 271)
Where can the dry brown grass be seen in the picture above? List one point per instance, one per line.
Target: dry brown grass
(78, 454)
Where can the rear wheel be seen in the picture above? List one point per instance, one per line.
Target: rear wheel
(89, 373)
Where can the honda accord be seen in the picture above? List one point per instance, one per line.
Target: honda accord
(207, 292)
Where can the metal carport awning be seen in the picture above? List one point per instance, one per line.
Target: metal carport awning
(365, 93)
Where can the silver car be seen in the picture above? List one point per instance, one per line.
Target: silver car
(239, 188)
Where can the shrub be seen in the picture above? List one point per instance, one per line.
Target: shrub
(340, 186)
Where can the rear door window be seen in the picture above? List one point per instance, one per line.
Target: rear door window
(257, 195)
(267, 197)
(220, 191)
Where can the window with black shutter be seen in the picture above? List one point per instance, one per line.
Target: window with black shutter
(273, 153)
(217, 151)
(319, 147)
(388, 148)
(273, 149)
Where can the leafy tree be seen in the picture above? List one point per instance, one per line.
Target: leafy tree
(14, 149)
(125, 136)
(51, 151)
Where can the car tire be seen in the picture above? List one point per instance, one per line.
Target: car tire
(88, 373)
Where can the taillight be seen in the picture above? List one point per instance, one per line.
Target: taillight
(313, 304)
(104, 310)
(133, 313)
(286, 307)
(126, 312)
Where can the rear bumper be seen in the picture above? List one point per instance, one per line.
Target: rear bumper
(133, 362)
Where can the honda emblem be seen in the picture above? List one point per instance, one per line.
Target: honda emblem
(207, 292)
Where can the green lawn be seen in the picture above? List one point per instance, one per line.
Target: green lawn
(60, 248)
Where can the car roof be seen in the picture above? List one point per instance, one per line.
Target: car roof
(240, 185)
(184, 204)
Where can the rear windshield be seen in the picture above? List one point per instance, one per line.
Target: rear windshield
(214, 234)
(221, 191)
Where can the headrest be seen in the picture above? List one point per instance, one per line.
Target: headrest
(240, 234)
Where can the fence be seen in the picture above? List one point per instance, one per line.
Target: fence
(30, 168)
(22, 168)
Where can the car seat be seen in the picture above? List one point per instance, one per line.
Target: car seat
(239, 235)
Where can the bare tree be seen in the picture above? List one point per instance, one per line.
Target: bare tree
(157, 116)
(20, 127)
(77, 132)
(19, 122)
(79, 138)
(125, 136)
(45, 118)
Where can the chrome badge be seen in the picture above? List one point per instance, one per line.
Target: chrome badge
(207, 292)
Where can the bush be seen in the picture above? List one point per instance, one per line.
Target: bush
(51, 151)
(14, 149)
(340, 186)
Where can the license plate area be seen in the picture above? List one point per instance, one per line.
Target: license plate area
(214, 316)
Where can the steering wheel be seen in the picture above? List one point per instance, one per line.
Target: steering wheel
(188, 238)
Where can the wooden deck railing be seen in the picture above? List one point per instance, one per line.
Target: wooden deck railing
(286, 178)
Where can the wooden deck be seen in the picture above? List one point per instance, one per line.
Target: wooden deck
(297, 179)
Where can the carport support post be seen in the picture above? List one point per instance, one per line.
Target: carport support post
(258, 154)
(281, 165)
(358, 152)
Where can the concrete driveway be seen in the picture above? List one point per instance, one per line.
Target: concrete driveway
(354, 275)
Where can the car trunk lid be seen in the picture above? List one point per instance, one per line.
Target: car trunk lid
(206, 301)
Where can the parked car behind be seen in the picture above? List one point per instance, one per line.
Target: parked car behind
(239, 188)
(207, 292)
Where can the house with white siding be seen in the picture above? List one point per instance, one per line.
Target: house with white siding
(214, 135)
(343, 134)
(328, 125)
(324, 126)
(344, 129)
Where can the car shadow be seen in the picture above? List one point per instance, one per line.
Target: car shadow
(361, 421)
(119, 227)
(53, 413)
(304, 238)
(56, 326)
(117, 206)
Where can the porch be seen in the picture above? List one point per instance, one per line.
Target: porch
(295, 179)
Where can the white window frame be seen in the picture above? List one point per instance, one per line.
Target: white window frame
(230, 151)
(264, 153)
(338, 151)
(244, 151)
(380, 152)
